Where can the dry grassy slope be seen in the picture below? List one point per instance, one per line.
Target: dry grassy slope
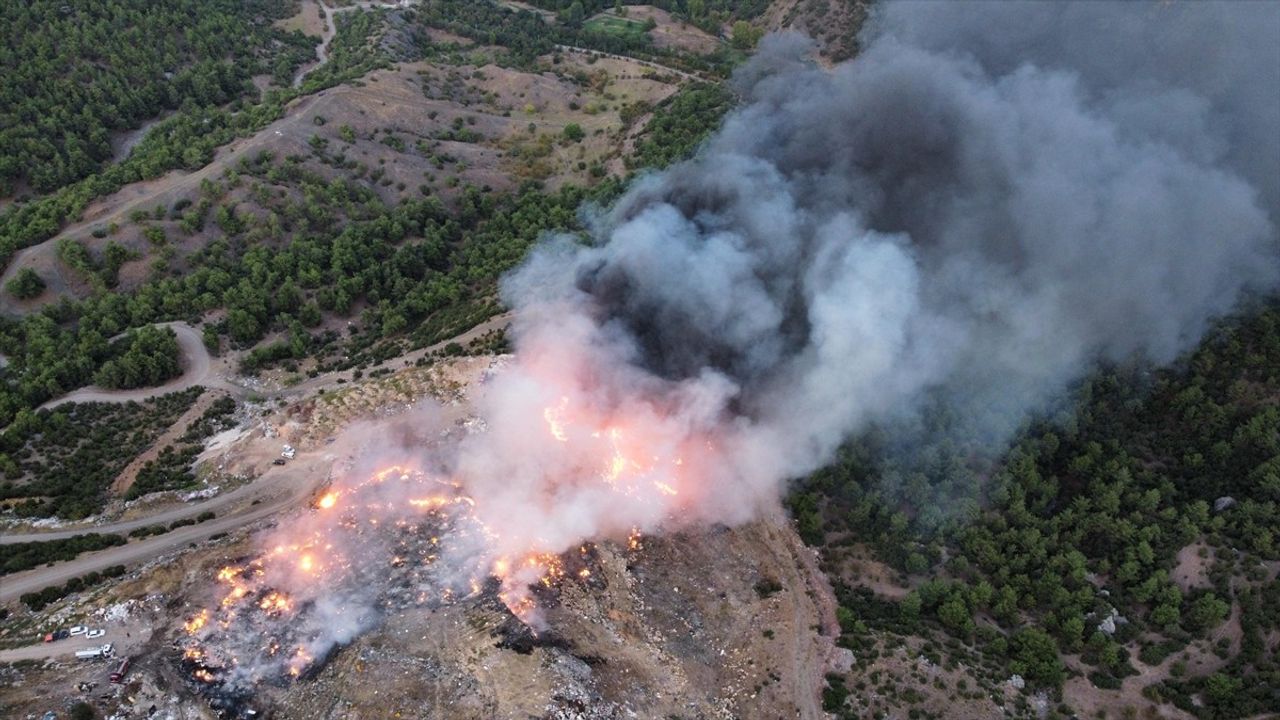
(675, 629)
(412, 102)
(833, 23)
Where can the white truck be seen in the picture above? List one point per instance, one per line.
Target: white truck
(97, 652)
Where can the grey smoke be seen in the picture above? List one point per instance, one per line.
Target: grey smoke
(991, 198)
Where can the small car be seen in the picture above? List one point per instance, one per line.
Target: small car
(278, 461)
(79, 630)
(95, 633)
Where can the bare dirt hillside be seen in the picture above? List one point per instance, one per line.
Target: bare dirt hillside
(833, 23)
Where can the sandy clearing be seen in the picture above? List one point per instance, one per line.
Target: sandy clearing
(1192, 570)
(546, 15)
(657, 66)
(307, 387)
(307, 21)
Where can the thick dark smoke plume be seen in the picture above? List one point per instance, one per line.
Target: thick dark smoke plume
(989, 199)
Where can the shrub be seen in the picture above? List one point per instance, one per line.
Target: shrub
(26, 284)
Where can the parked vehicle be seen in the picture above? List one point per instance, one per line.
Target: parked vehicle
(56, 635)
(117, 675)
(90, 654)
(79, 630)
(106, 649)
(95, 633)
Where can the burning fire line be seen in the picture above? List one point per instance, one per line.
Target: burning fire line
(437, 521)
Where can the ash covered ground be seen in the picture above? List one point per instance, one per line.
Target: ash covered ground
(710, 622)
(687, 625)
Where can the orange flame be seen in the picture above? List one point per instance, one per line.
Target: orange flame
(193, 625)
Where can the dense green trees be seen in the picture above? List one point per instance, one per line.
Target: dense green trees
(76, 73)
(188, 137)
(26, 555)
(37, 601)
(679, 124)
(60, 462)
(145, 357)
(1084, 517)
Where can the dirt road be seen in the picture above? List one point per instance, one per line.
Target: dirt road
(197, 365)
(60, 648)
(123, 144)
(284, 488)
(331, 29)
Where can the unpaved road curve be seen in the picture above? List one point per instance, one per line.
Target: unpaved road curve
(292, 486)
(197, 367)
(241, 493)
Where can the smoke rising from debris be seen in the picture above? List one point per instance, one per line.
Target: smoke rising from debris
(989, 199)
(986, 201)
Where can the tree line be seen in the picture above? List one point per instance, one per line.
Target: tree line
(1084, 518)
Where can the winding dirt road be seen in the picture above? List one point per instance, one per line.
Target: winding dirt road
(197, 369)
(331, 29)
